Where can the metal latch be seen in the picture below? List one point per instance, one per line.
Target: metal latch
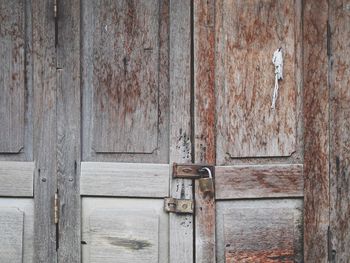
(191, 171)
(56, 208)
(178, 206)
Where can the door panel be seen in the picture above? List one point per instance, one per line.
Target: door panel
(124, 230)
(125, 80)
(16, 133)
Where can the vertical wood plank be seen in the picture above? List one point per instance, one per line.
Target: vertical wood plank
(45, 184)
(316, 134)
(340, 127)
(181, 226)
(68, 130)
(204, 123)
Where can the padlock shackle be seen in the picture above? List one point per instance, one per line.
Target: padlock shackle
(208, 171)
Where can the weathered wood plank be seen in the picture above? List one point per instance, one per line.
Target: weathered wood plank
(340, 130)
(12, 75)
(260, 231)
(25, 205)
(124, 179)
(180, 226)
(124, 230)
(204, 123)
(44, 83)
(126, 94)
(248, 33)
(68, 130)
(316, 134)
(259, 181)
(11, 232)
(16, 179)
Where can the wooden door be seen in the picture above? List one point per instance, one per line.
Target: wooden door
(25, 135)
(123, 118)
(257, 151)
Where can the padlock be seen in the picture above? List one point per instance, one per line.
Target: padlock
(206, 185)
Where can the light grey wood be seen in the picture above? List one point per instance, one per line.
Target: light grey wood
(259, 181)
(259, 231)
(45, 180)
(23, 206)
(11, 232)
(16, 179)
(125, 95)
(68, 131)
(180, 226)
(247, 126)
(124, 230)
(12, 75)
(124, 179)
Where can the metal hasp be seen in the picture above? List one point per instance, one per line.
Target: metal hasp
(178, 206)
(191, 171)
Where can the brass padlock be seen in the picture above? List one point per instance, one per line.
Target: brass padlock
(206, 185)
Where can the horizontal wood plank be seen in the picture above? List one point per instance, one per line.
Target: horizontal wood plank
(16, 179)
(259, 181)
(124, 179)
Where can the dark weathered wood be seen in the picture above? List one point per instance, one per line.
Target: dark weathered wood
(247, 34)
(316, 135)
(68, 130)
(45, 180)
(258, 181)
(340, 130)
(12, 75)
(125, 81)
(180, 226)
(204, 123)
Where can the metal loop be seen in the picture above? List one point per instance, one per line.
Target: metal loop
(208, 170)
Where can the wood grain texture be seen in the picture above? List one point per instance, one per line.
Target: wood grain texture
(68, 130)
(12, 75)
(124, 179)
(204, 123)
(260, 231)
(16, 179)
(11, 232)
(259, 181)
(26, 207)
(129, 236)
(125, 57)
(180, 151)
(126, 94)
(260, 235)
(316, 135)
(247, 34)
(45, 180)
(124, 230)
(339, 130)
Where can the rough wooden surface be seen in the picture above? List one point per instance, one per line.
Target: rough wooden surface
(12, 75)
(68, 130)
(45, 180)
(316, 135)
(16, 179)
(124, 179)
(247, 34)
(125, 58)
(11, 232)
(259, 231)
(180, 226)
(125, 230)
(25, 206)
(258, 181)
(339, 130)
(204, 123)
(125, 84)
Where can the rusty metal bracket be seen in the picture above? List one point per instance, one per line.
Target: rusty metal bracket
(191, 171)
(178, 206)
